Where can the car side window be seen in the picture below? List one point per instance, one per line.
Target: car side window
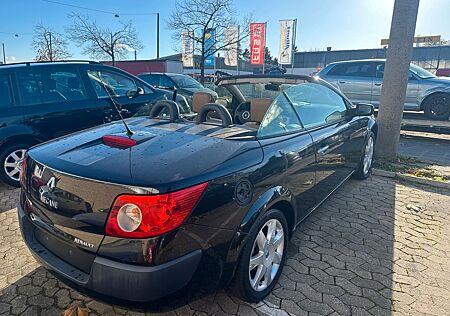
(379, 70)
(279, 119)
(69, 85)
(5, 91)
(165, 82)
(117, 84)
(152, 80)
(316, 104)
(41, 87)
(352, 70)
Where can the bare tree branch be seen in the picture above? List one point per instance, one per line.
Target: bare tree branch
(103, 42)
(198, 16)
(48, 44)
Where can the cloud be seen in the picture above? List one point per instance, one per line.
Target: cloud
(10, 58)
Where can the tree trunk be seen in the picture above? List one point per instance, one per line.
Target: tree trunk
(113, 59)
(395, 80)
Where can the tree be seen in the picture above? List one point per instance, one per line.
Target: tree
(48, 44)
(268, 58)
(101, 42)
(395, 80)
(197, 17)
(244, 54)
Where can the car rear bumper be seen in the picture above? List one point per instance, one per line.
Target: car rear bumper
(116, 279)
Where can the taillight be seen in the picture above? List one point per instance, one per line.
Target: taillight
(144, 216)
(23, 170)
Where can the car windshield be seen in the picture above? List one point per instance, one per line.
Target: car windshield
(420, 72)
(186, 82)
(260, 90)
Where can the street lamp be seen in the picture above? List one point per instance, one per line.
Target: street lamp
(3, 46)
(116, 15)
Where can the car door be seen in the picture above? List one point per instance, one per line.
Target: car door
(118, 84)
(354, 79)
(412, 89)
(338, 138)
(289, 152)
(54, 100)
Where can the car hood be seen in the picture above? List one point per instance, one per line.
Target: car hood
(167, 156)
(439, 80)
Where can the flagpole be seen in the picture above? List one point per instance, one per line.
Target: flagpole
(293, 46)
(264, 48)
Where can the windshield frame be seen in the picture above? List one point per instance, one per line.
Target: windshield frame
(420, 72)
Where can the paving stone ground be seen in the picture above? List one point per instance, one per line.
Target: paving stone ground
(376, 247)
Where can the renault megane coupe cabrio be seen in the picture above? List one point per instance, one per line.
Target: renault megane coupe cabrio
(136, 209)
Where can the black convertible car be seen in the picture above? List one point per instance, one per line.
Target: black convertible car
(136, 212)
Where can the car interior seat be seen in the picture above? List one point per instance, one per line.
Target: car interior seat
(258, 108)
(199, 99)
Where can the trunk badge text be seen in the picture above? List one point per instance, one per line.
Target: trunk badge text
(46, 190)
(83, 243)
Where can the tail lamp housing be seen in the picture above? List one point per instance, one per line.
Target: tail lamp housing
(145, 216)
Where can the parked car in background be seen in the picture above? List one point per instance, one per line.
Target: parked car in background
(361, 81)
(41, 101)
(211, 198)
(443, 72)
(185, 85)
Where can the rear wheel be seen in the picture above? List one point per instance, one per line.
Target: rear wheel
(437, 106)
(263, 257)
(365, 164)
(11, 163)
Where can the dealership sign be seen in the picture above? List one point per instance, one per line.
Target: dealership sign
(257, 43)
(287, 41)
(187, 49)
(210, 39)
(231, 37)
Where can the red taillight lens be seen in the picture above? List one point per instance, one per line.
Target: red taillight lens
(157, 214)
(118, 141)
(23, 170)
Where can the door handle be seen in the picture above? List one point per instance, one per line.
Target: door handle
(322, 150)
(340, 81)
(378, 84)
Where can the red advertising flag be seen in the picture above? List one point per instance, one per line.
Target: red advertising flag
(257, 43)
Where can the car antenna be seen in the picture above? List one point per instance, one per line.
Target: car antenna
(129, 131)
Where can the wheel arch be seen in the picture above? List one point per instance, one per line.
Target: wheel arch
(433, 93)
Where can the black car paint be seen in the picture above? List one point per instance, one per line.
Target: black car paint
(287, 172)
(37, 123)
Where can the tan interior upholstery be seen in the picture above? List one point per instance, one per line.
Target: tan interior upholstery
(258, 108)
(199, 99)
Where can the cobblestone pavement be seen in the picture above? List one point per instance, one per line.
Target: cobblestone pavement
(375, 247)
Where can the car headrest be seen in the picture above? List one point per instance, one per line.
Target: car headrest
(199, 99)
(73, 83)
(258, 108)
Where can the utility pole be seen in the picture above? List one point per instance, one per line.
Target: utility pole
(157, 35)
(4, 55)
(393, 91)
(50, 44)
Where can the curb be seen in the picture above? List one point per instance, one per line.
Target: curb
(395, 175)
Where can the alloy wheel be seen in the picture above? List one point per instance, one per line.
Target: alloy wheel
(266, 255)
(368, 155)
(13, 164)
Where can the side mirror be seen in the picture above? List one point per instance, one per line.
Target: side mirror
(364, 109)
(133, 93)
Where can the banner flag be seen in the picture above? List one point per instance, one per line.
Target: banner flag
(257, 43)
(287, 41)
(231, 35)
(210, 38)
(187, 48)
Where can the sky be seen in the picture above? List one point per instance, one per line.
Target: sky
(341, 24)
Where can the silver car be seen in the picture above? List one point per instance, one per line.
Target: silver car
(361, 81)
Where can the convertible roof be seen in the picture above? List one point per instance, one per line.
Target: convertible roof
(282, 79)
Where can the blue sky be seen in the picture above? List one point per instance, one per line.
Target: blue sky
(341, 24)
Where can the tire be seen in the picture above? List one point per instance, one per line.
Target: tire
(270, 254)
(10, 160)
(365, 166)
(437, 106)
